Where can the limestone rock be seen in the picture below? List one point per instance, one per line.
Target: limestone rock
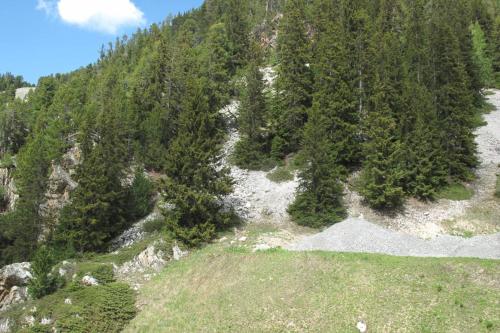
(89, 281)
(151, 259)
(135, 234)
(22, 93)
(8, 184)
(13, 284)
(178, 253)
(5, 325)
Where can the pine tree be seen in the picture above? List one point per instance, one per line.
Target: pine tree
(333, 89)
(218, 64)
(481, 56)
(294, 83)
(196, 182)
(319, 202)
(453, 98)
(43, 282)
(251, 150)
(97, 211)
(238, 32)
(382, 173)
(495, 46)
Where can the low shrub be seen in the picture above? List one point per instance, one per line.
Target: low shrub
(456, 192)
(280, 175)
(155, 225)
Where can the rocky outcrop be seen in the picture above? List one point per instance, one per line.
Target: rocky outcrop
(60, 185)
(14, 284)
(9, 187)
(22, 93)
(153, 258)
(135, 234)
(5, 325)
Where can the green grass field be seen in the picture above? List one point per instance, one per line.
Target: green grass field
(231, 289)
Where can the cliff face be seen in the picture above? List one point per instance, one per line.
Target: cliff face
(59, 187)
(9, 188)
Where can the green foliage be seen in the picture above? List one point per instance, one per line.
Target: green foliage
(382, 173)
(481, 56)
(154, 225)
(104, 274)
(455, 191)
(43, 281)
(140, 201)
(195, 184)
(252, 151)
(280, 175)
(319, 201)
(294, 81)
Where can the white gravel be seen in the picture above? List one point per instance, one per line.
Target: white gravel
(358, 235)
(256, 198)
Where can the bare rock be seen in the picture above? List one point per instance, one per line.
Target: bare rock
(13, 284)
(5, 325)
(151, 259)
(8, 183)
(22, 93)
(134, 234)
(89, 281)
(361, 326)
(178, 254)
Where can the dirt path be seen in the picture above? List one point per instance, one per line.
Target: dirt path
(358, 235)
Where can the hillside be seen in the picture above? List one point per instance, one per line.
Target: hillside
(175, 183)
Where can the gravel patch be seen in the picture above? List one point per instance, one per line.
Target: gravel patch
(358, 235)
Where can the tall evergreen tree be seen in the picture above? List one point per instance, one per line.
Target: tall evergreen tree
(253, 147)
(319, 202)
(238, 32)
(196, 180)
(382, 172)
(294, 83)
(334, 91)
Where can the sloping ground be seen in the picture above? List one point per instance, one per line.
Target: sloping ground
(222, 288)
(357, 235)
(476, 216)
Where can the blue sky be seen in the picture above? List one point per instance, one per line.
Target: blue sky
(41, 37)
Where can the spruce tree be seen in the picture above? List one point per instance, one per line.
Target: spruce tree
(294, 83)
(319, 201)
(382, 174)
(481, 56)
(238, 32)
(334, 91)
(453, 98)
(251, 150)
(196, 181)
(97, 210)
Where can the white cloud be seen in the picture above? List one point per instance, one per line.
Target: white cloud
(102, 15)
(48, 6)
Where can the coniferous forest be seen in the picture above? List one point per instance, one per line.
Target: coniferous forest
(389, 89)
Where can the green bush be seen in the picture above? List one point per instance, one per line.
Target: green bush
(104, 274)
(250, 156)
(154, 225)
(43, 281)
(140, 196)
(280, 175)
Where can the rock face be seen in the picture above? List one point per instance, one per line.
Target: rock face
(60, 185)
(13, 284)
(8, 184)
(134, 234)
(153, 258)
(22, 93)
(4, 325)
